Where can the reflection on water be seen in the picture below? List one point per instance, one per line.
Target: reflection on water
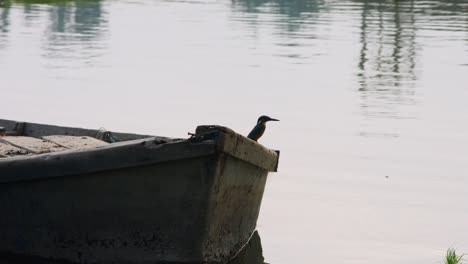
(292, 9)
(4, 24)
(32, 12)
(387, 60)
(294, 23)
(389, 65)
(74, 29)
(74, 32)
(82, 20)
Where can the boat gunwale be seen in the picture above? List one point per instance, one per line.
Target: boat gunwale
(128, 154)
(138, 152)
(38, 130)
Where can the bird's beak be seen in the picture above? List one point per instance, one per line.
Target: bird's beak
(273, 119)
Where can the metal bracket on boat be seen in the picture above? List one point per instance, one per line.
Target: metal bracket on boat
(18, 131)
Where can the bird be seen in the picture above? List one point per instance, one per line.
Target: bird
(259, 128)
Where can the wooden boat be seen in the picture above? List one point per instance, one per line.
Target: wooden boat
(143, 199)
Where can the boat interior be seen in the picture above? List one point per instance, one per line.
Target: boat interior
(23, 139)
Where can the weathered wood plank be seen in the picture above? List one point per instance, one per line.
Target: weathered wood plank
(249, 151)
(33, 145)
(7, 150)
(72, 142)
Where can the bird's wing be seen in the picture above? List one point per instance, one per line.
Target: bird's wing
(256, 132)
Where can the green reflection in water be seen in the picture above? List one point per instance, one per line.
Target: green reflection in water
(49, 2)
(74, 28)
(284, 7)
(82, 16)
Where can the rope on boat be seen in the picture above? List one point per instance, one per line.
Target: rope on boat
(106, 136)
(56, 143)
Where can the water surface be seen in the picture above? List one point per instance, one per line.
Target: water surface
(372, 97)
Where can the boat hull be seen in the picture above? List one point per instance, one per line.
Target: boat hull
(200, 205)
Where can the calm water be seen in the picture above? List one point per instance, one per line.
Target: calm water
(372, 97)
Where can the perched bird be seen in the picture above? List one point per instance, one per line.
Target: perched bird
(258, 130)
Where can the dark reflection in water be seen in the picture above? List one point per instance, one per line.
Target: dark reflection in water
(4, 24)
(389, 47)
(75, 30)
(293, 9)
(389, 53)
(32, 13)
(387, 57)
(292, 22)
(5, 19)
